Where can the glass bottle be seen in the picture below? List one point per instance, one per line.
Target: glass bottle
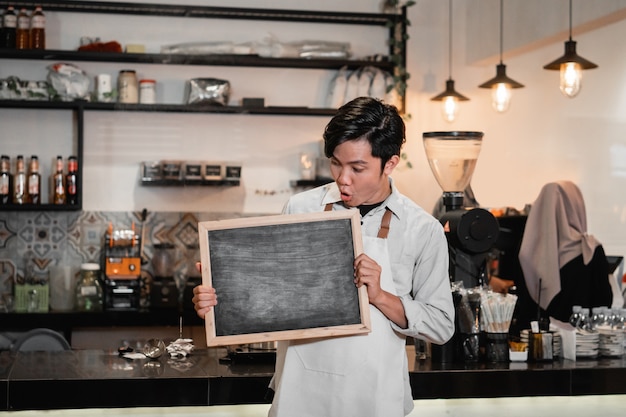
(6, 179)
(58, 183)
(34, 181)
(575, 317)
(22, 32)
(9, 24)
(71, 180)
(38, 29)
(19, 188)
(597, 317)
(585, 320)
(88, 288)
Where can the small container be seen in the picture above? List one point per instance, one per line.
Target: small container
(103, 88)
(193, 170)
(151, 171)
(172, 170)
(232, 171)
(89, 289)
(147, 91)
(127, 87)
(212, 171)
(497, 349)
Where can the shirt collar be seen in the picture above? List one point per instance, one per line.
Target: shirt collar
(333, 195)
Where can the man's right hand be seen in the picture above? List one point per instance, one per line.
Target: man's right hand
(204, 297)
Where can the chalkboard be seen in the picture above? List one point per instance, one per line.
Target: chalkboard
(283, 277)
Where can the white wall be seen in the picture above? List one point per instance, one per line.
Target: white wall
(543, 137)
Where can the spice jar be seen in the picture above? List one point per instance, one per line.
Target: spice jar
(147, 91)
(127, 89)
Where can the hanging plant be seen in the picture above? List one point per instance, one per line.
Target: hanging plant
(397, 42)
(397, 46)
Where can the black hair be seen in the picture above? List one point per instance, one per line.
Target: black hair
(367, 118)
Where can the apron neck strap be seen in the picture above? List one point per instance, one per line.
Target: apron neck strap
(384, 224)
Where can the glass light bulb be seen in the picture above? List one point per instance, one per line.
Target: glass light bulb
(571, 76)
(501, 97)
(450, 108)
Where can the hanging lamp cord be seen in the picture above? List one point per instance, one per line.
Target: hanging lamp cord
(501, 28)
(570, 20)
(450, 40)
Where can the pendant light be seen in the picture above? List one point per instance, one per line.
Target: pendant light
(501, 85)
(450, 98)
(570, 65)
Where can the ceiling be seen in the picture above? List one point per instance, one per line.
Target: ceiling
(531, 24)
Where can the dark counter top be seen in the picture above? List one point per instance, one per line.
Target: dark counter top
(103, 379)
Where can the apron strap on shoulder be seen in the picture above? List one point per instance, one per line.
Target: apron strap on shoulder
(384, 225)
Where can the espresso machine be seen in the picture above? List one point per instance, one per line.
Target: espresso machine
(122, 269)
(471, 232)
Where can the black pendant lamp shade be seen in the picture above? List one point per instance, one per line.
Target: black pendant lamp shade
(450, 92)
(501, 78)
(570, 56)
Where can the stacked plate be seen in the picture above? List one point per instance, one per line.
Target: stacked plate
(611, 342)
(587, 344)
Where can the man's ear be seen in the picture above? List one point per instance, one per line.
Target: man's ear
(391, 164)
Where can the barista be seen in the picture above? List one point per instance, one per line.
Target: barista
(404, 268)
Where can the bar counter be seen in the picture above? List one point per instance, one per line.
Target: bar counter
(102, 379)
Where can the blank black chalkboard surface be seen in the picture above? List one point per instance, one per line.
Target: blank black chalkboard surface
(283, 277)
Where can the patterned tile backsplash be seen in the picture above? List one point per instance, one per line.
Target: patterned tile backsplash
(46, 239)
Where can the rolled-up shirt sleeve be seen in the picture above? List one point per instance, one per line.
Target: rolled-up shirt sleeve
(423, 284)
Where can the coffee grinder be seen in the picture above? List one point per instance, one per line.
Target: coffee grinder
(122, 269)
(471, 233)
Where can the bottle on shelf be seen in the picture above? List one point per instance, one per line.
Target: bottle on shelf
(71, 180)
(38, 29)
(9, 24)
(58, 183)
(6, 180)
(88, 289)
(22, 31)
(34, 181)
(20, 194)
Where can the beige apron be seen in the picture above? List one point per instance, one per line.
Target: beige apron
(360, 376)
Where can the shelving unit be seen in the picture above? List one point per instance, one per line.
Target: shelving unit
(391, 21)
(78, 114)
(396, 24)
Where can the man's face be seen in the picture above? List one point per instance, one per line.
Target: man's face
(358, 174)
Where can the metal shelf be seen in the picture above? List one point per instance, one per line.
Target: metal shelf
(181, 59)
(185, 183)
(40, 207)
(176, 10)
(166, 108)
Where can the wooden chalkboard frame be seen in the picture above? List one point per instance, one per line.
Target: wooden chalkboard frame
(228, 270)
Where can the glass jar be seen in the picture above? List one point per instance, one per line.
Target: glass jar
(89, 289)
(127, 88)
